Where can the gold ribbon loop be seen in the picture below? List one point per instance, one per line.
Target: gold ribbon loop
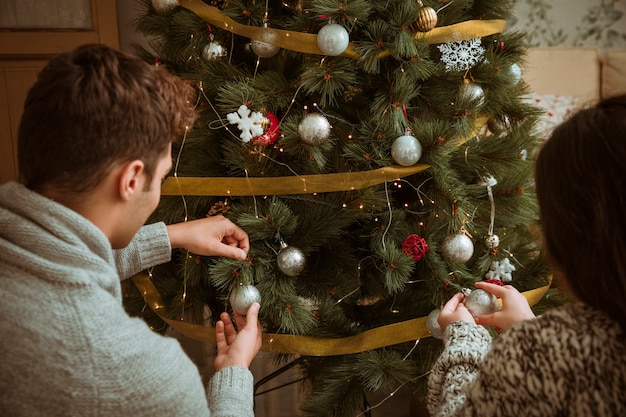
(388, 335)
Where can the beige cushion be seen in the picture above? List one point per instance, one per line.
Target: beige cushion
(614, 73)
(565, 71)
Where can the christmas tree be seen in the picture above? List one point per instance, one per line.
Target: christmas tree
(378, 154)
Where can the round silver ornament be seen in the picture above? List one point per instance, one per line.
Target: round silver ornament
(290, 260)
(457, 248)
(242, 297)
(516, 73)
(164, 6)
(492, 241)
(406, 150)
(480, 302)
(433, 325)
(314, 129)
(213, 50)
(333, 39)
(264, 49)
(473, 92)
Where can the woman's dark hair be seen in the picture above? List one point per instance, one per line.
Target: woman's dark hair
(96, 107)
(581, 188)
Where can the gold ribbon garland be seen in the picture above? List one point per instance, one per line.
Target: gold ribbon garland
(391, 334)
(307, 42)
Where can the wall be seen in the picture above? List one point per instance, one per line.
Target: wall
(599, 23)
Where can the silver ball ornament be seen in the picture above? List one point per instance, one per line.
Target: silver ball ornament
(291, 260)
(406, 150)
(333, 39)
(164, 6)
(314, 129)
(242, 297)
(433, 325)
(473, 92)
(480, 302)
(492, 241)
(457, 248)
(213, 50)
(516, 73)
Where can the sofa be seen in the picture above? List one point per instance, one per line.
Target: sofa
(562, 79)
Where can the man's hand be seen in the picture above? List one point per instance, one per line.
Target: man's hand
(238, 349)
(514, 306)
(212, 236)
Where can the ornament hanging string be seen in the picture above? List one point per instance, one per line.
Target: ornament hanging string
(379, 337)
(307, 42)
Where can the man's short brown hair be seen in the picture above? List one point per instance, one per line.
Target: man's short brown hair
(96, 107)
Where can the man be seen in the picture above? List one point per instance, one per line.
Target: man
(94, 145)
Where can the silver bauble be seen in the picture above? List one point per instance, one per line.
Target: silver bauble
(492, 241)
(164, 6)
(457, 248)
(473, 92)
(433, 325)
(290, 260)
(516, 73)
(314, 129)
(480, 302)
(406, 150)
(333, 39)
(213, 50)
(265, 47)
(242, 297)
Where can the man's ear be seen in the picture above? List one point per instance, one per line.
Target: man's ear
(131, 179)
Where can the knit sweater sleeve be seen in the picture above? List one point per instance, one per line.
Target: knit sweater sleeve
(230, 393)
(150, 247)
(465, 345)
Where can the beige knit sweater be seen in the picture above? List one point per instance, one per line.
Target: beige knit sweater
(67, 346)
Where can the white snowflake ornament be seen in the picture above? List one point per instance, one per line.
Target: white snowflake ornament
(461, 55)
(249, 122)
(501, 270)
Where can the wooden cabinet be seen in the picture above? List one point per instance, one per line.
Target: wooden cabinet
(26, 45)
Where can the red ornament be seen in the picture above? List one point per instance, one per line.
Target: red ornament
(415, 247)
(271, 127)
(495, 281)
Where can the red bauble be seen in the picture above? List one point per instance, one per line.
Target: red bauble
(271, 127)
(415, 247)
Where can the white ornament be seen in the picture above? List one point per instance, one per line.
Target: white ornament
(462, 55)
(249, 122)
(266, 46)
(213, 51)
(406, 150)
(164, 6)
(457, 248)
(501, 270)
(492, 241)
(433, 325)
(333, 39)
(314, 129)
(516, 73)
(473, 92)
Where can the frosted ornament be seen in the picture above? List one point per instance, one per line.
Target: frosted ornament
(480, 302)
(164, 6)
(461, 55)
(333, 39)
(249, 122)
(406, 150)
(291, 260)
(516, 73)
(265, 47)
(457, 248)
(472, 92)
(242, 297)
(213, 50)
(314, 129)
(433, 325)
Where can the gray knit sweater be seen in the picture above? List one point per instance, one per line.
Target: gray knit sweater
(569, 361)
(68, 347)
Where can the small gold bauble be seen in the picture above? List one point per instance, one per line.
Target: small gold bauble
(426, 19)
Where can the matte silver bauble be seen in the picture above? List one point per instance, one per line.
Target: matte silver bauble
(480, 302)
(433, 325)
(492, 241)
(291, 260)
(333, 39)
(473, 92)
(457, 248)
(314, 129)
(406, 150)
(516, 73)
(164, 6)
(242, 297)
